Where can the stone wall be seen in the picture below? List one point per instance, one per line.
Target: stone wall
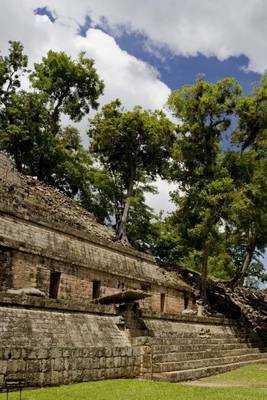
(43, 232)
(49, 343)
(66, 339)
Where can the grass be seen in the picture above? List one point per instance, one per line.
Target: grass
(251, 376)
(254, 377)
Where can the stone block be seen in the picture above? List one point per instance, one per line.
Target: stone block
(103, 362)
(55, 352)
(110, 362)
(117, 362)
(3, 366)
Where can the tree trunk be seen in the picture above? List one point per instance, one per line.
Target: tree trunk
(56, 112)
(122, 229)
(240, 276)
(204, 272)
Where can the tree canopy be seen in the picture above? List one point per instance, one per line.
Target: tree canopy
(219, 225)
(204, 110)
(133, 147)
(72, 86)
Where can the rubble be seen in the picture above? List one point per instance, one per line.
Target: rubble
(243, 304)
(41, 196)
(249, 305)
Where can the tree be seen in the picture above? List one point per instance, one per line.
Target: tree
(248, 168)
(72, 87)
(59, 160)
(142, 221)
(102, 199)
(12, 67)
(30, 127)
(133, 146)
(73, 165)
(204, 110)
(25, 133)
(252, 118)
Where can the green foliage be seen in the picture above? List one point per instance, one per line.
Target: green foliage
(204, 110)
(133, 147)
(252, 117)
(205, 185)
(12, 67)
(102, 200)
(30, 128)
(220, 223)
(246, 219)
(142, 222)
(73, 87)
(24, 131)
(221, 214)
(126, 140)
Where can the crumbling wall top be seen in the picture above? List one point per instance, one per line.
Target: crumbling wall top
(28, 195)
(8, 173)
(25, 198)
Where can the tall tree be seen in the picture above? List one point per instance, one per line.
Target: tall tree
(72, 86)
(25, 132)
(30, 126)
(248, 216)
(12, 67)
(133, 146)
(204, 110)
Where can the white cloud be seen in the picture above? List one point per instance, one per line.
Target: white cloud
(161, 201)
(134, 81)
(125, 76)
(221, 28)
(214, 28)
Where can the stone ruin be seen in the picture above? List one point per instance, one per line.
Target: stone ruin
(76, 306)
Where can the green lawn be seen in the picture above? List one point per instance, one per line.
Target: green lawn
(254, 377)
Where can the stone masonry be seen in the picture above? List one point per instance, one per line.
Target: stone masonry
(42, 232)
(49, 244)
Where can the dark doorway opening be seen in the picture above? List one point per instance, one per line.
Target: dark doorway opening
(54, 284)
(96, 289)
(186, 300)
(162, 302)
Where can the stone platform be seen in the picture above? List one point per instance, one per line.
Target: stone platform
(52, 342)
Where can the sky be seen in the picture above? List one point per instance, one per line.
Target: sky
(143, 49)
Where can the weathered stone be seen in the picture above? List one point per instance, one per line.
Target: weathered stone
(49, 244)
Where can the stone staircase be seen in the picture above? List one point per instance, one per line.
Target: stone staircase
(180, 356)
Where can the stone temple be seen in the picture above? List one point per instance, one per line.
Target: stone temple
(76, 306)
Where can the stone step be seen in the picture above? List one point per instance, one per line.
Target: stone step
(192, 338)
(240, 351)
(200, 340)
(179, 348)
(210, 353)
(204, 362)
(193, 334)
(197, 373)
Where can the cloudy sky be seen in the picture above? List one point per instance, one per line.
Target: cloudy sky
(145, 48)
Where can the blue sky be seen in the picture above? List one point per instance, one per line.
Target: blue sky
(174, 70)
(177, 70)
(152, 46)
